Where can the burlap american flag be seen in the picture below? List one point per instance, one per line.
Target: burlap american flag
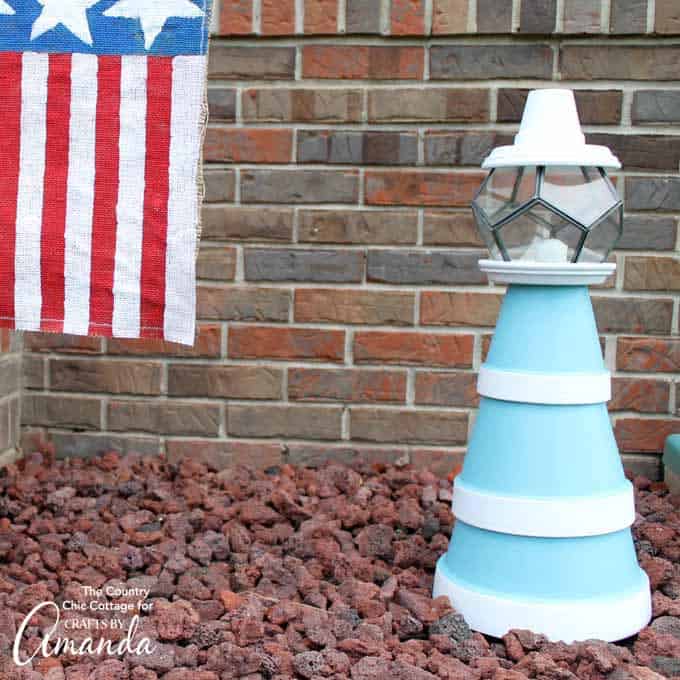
(101, 123)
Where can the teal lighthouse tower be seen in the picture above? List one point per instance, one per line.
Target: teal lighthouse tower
(543, 509)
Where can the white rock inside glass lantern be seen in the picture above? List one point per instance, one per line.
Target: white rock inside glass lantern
(548, 197)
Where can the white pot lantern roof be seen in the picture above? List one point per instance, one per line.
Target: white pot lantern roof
(551, 134)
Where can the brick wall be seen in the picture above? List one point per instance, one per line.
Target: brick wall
(10, 395)
(341, 307)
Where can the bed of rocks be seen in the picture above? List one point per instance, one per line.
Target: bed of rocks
(283, 573)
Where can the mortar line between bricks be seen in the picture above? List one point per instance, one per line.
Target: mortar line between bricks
(385, 17)
(578, 40)
(651, 15)
(605, 17)
(672, 398)
(257, 17)
(376, 85)
(342, 16)
(428, 19)
(299, 16)
(413, 126)
(559, 16)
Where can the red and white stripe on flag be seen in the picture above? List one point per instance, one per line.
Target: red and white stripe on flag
(99, 199)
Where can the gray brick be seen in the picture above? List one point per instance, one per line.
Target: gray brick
(56, 410)
(219, 186)
(251, 63)
(227, 382)
(10, 375)
(88, 445)
(619, 62)
(359, 148)
(628, 16)
(434, 104)
(648, 233)
(299, 186)
(582, 16)
(449, 228)
(471, 62)
(276, 264)
(642, 152)
(233, 223)
(398, 266)
(408, 427)
(656, 106)
(538, 16)
(462, 148)
(243, 303)
(222, 104)
(494, 16)
(633, 315)
(363, 16)
(595, 107)
(165, 417)
(653, 193)
(297, 422)
(358, 226)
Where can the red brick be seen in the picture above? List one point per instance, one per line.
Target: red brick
(278, 17)
(321, 16)
(288, 344)
(243, 145)
(346, 385)
(207, 345)
(408, 17)
(640, 394)
(420, 187)
(449, 16)
(459, 309)
(219, 455)
(363, 61)
(411, 348)
(644, 436)
(451, 388)
(354, 306)
(236, 17)
(648, 355)
(61, 344)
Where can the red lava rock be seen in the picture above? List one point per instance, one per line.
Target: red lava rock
(288, 573)
(175, 621)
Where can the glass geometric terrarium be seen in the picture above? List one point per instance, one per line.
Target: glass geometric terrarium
(549, 213)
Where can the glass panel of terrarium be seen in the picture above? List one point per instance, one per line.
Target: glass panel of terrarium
(505, 190)
(486, 232)
(582, 193)
(540, 235)
(603, 237)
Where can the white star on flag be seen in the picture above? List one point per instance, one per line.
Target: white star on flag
(5, 8)
(153, 14)
(69, 13)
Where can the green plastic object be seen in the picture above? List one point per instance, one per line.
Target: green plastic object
(671, 454)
